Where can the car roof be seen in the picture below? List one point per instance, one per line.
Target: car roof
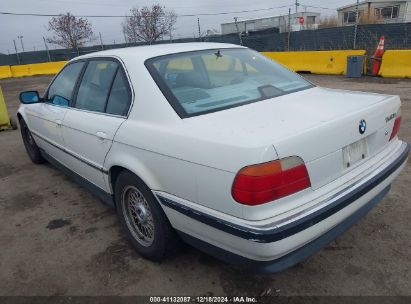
(149, 51)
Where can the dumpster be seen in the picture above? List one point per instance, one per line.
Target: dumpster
(5, 121)
(355, 66)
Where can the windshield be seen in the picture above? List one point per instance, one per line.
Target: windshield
(208, 81)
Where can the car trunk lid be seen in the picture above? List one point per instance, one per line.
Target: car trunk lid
(317, 124)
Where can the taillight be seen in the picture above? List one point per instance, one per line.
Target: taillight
(262, 183)
(396, 127)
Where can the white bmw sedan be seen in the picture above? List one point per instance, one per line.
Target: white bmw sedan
(219, 146)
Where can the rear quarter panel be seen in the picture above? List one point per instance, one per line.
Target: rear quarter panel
(192, 168)
(193, 182)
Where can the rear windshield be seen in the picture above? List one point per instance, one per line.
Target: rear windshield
(201, 82)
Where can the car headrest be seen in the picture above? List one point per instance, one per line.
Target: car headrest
(191, 79)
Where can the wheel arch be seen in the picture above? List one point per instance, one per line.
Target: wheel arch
(21, 115)
(113, 174)
(115, 171)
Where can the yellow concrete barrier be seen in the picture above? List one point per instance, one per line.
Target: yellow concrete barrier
(47, 68)
(396, 64)
(316, 62)
(21, 70)
(5, 71)
(5, 122)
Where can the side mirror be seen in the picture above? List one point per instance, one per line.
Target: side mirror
(29, 97)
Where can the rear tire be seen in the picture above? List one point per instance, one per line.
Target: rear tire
(31, 147)
(143, 219)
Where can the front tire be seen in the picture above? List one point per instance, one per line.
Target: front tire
(13, 124)
(143, 219)
(31, 147)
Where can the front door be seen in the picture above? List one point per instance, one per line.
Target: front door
(45, 119)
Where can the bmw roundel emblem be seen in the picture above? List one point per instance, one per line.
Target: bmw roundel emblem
(363, 126)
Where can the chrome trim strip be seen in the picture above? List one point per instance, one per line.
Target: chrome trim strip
(99, 168)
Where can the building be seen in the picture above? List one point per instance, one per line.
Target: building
(376, 11)
(311, 21)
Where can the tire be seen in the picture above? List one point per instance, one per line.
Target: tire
(13, 124)
(31, 147)
(147, 228)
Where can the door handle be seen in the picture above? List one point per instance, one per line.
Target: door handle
(58, 122)
(101, 135)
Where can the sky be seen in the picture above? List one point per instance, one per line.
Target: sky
(33, 29)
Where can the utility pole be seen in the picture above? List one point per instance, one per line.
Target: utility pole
(101, 41)
(17, 53)
(125, 38)
(199, 28)
(357, 14)
(296, 6)
(47, 49)
(21, 42)
(289, 28)
(238, 31)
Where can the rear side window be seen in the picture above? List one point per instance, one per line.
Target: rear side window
(61, 90)
(120, 96)
(95, 85)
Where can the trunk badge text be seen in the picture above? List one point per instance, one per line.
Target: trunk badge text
(362, 127)
(391, 117)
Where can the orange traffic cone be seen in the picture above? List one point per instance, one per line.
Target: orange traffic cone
(378, 57)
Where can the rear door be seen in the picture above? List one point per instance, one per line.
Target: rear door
(45, 119)
(101, 105)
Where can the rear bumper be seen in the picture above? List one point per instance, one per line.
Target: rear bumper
(291, 258)
(279, 245)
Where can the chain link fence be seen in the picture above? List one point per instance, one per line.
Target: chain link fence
(398, 36)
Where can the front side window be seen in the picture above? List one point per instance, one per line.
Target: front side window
(207, 81)
(61, 90)
(95, 85)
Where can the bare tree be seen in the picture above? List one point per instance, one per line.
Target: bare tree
(149, 24)
(70, 31)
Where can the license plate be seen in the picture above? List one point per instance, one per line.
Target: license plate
(355, 152)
